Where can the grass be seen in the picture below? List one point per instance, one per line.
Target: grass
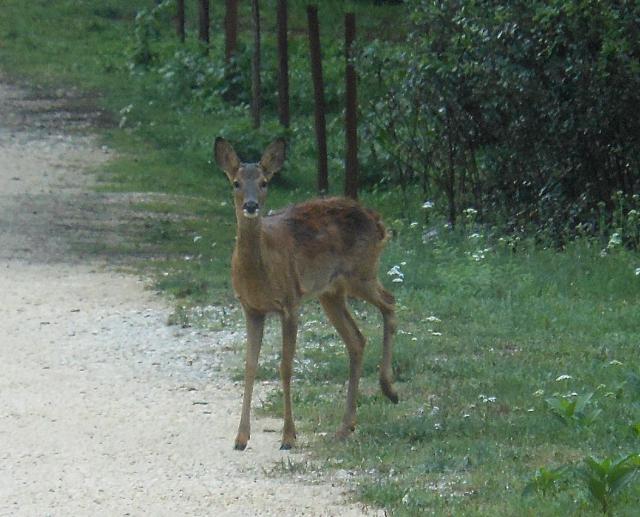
(490, 327)
(482, 344)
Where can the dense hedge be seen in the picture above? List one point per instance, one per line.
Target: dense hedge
(525, 110)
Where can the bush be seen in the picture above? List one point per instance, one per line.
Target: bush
(524, 110)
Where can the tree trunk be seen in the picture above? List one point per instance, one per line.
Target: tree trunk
(255, 64)
(318, 89)
(283, 64)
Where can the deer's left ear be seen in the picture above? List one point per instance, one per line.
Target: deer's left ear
(273, 157)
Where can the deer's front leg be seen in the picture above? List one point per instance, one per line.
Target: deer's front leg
(289, 334)
(255, 328)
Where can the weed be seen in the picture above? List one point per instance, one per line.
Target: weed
(604, 479)
(546, 480)
(574, 409)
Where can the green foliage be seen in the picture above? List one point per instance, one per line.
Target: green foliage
(147, 29)
(524, 110)
(606, 478)
(574, 410)
(602, 480)
(546, 480)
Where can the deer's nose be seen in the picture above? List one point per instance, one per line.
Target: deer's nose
(250, 207)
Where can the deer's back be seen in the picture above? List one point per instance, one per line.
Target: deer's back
(328, 240)
(337, 225)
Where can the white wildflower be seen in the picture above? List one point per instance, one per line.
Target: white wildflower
(614, 240)
(564, 377)
(427, 204)
(429, 235)
(398, 276)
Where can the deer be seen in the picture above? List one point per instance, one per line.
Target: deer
(325, 248)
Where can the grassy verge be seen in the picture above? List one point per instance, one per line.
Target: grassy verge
(498, 338)
(487, 338)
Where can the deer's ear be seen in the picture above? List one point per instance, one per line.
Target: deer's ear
(226, 157)
(273, 157)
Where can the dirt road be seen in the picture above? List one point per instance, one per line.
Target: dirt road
(104, 409)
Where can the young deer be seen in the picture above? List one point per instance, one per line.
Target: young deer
(324, 248)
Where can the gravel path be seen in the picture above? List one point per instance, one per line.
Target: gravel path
(104, 409)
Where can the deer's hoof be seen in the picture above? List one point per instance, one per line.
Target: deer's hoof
(241, 442)
(344, 432)
(389, 391)
(286, 446)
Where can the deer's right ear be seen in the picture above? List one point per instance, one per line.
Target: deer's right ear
(226, 157)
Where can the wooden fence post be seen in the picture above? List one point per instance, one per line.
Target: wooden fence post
(203, 23)
(255, 64)
(230, 29)
(180, 20)
(351, 111)
(318, 89)
(283, 64)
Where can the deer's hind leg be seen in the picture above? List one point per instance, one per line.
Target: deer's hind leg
(373, 292)
(289, 335)
(334, 305)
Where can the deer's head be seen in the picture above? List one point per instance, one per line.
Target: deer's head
(249, 180)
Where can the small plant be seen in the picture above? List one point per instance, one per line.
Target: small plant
(574, 410)
(146, 30)
(633, 384)
(606, 478)
(546, 480)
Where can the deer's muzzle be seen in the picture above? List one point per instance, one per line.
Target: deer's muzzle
(250, 209)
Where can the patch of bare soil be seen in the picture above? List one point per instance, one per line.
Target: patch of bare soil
(104, 409)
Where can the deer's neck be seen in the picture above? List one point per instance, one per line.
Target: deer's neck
(249, 243)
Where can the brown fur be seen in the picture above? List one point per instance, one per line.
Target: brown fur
(324, 248)
(316, 224)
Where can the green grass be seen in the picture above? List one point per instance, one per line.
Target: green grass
(481, 346)
(484, 331)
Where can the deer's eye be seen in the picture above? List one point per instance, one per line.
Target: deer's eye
(236, 184)
(263, 184)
